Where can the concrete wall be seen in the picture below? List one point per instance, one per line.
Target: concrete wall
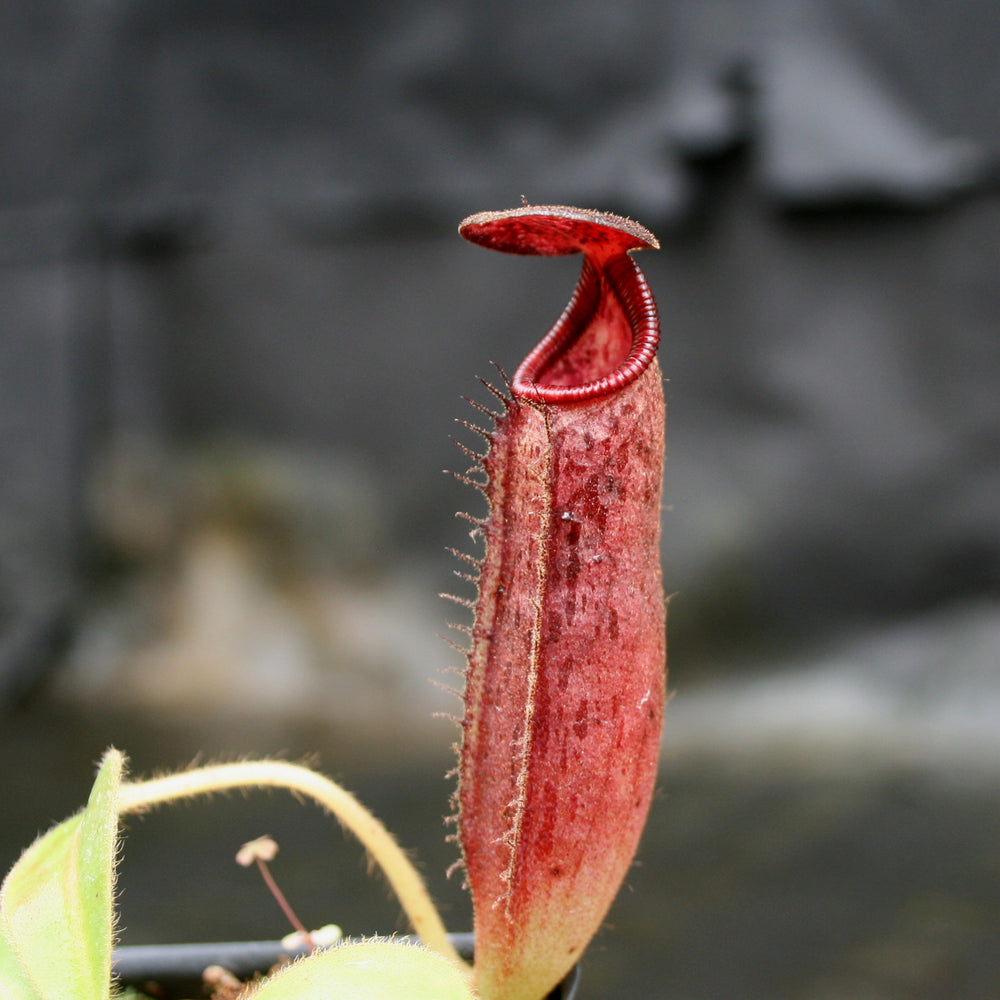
(222, 218)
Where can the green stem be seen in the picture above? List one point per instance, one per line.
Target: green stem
(403, 877)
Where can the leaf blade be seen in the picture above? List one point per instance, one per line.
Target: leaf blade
(56, 918)
(369, 970)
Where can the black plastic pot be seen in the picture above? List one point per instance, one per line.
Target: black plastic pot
(176, 968)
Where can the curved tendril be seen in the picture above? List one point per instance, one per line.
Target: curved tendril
(406, 882)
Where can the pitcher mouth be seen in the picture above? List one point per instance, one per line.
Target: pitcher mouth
(609, 332)
(605, 339)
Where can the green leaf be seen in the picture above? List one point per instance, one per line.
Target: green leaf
(369, 970)
(56, 920)
(13, 985)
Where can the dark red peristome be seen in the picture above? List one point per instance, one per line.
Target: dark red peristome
(566, 680)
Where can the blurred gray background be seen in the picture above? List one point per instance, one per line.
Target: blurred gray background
(235, 325)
